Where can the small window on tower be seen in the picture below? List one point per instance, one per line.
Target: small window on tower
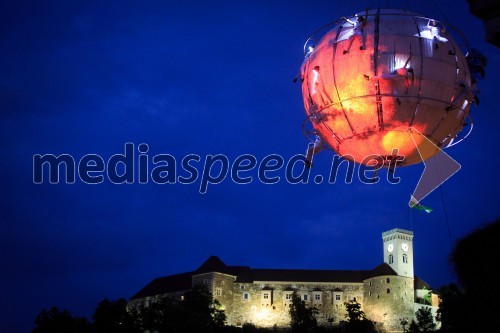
(388, 280)
(405, 258)
(337, 297)
(388, 290)
(391, 259)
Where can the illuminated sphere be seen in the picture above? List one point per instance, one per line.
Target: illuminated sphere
(364, 100)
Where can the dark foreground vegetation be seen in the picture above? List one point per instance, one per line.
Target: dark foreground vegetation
(468, 308)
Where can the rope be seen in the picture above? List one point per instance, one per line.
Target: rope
(444, 207)
(411, 218)
(440, 11)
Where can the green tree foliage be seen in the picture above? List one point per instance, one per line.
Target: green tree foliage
(451, 312)
(163, 315)
(357, 322)
(198, 312)
(57, 321)
(203, 311)
(413, 328)
(303, 317)
(473, 258)
(354, 312)
(113, 317)
(425, 320)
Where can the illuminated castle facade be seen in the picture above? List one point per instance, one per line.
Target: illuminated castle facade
(388, 294)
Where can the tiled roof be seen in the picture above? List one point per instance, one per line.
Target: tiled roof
(382, 269)
(167, 284)
(306, 275)
(418, 283)
(243, 274)
(214, 264)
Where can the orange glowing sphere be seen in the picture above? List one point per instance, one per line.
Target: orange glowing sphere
(374, 77)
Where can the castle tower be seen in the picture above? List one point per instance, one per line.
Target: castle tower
(398, 251)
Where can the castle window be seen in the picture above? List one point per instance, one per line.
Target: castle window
(316, 297)
(405, 258)
(267, 297)
(388, 290)
(242, 287)
(288, 296)
(370, 283)
(391, 259)
(246, 296)
(218, 292)
(304, 297)
(337, 297)
(388, 280)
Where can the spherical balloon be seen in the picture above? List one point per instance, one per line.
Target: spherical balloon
(385, 80)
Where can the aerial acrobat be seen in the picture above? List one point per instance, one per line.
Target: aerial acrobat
(383, 83)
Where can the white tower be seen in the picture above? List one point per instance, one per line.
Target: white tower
(398, 251)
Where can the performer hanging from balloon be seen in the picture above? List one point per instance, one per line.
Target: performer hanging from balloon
(465, 93)
(435, 31)
(358, 31)
(313, 149)
(405, 72)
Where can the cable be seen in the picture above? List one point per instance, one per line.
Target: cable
(444, 206)
(440, 12)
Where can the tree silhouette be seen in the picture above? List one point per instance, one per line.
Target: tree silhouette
(473, 257)
(113, 317)
(357, 322)
(57, 321)
(303, 318)
(198, 312)
(203, 312)
(425, 320)
(413, 328)
(451, 312)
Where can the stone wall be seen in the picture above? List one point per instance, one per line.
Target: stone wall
(389, 300)
(248, 304)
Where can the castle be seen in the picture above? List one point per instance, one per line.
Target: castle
(388, 293)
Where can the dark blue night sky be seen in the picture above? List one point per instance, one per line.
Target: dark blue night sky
(196, 77)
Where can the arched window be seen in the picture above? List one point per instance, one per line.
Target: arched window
(391, 259)
(405, 258)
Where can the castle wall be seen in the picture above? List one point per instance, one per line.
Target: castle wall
(386, 299)
(250, 306)
(389, 300)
